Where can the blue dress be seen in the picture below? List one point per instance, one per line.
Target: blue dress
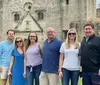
(18, 69)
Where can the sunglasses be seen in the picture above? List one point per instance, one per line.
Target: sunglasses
(71, 33)
(18, 41)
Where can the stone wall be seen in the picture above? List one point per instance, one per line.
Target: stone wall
(59, 14)
(1, 12)
(80, 25)
(98, 12)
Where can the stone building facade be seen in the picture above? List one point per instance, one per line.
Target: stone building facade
(98, 12)
(37, 15)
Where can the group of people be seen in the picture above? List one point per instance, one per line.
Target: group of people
(36, 64)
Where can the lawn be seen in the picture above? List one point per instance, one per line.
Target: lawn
(79, 83)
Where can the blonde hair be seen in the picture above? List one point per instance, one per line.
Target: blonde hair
(22, 43)
(67, 43)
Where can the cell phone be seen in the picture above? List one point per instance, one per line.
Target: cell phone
(80, 74)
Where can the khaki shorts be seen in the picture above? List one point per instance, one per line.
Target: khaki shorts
(49, 79)
(4, 73)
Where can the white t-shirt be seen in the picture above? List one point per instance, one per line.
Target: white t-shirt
(71, 59)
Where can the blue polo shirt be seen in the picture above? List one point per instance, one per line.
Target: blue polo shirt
(51, 54)
(5, 52)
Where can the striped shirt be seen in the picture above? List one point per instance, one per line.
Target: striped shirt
(33, 55)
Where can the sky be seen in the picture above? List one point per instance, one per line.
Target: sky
(97, 3)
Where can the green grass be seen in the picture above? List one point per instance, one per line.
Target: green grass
(79, 82)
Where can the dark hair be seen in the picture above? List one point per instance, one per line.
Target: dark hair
(89, 25)
(28, 42)
(10, 30)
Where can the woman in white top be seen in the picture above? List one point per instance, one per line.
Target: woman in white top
(69, 61)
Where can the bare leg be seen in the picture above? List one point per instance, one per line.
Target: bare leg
(4, 81)
(9, 80)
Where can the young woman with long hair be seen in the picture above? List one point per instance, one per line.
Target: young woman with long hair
(69, 62)
(16, 68)
(33, 63)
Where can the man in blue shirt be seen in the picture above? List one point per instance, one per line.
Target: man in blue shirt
(6, 48)
(50, 63)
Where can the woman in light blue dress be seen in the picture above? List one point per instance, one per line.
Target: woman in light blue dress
(16, 68)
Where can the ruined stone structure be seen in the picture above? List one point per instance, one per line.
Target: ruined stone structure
(98, 12)
(37, 15)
